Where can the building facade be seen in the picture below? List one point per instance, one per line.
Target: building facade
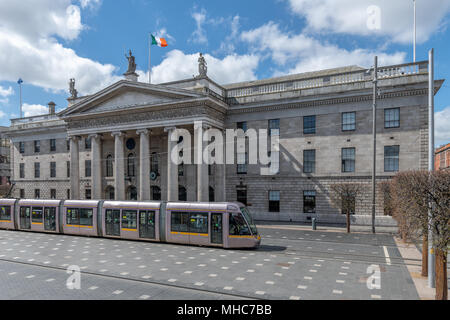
(114, 144)
(442, 158)
(5, 162)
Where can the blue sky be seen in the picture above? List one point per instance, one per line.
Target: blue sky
(47, 42)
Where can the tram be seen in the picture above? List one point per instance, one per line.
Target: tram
(226, 225)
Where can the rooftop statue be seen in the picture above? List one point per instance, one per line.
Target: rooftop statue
(202, 66)
(72, 90)
(131, 63)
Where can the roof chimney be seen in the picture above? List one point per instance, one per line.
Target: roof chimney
(51, 107)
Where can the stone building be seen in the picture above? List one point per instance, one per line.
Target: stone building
(113, 144)
(5, 170)
(442, 158)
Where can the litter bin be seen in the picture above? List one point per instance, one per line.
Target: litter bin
(314, 223)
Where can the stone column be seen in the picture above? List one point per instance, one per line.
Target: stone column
(74, 167)
(202, 167)
(172, 168)
(119, 166)
(144, 165)
(220, 178)
(96, 166)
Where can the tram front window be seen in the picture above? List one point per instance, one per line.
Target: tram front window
(238, 225)
(249, 219)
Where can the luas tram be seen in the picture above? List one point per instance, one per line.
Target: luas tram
(227, 225)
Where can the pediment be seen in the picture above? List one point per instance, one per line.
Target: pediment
(128, 95)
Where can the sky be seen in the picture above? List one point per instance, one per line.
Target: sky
(47, 42)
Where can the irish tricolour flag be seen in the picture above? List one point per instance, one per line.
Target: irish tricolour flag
(160, 42)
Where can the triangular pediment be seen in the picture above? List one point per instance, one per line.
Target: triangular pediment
(128, 95)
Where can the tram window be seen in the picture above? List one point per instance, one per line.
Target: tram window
(73, 217)
(129, 219)
(5, 213)
(238, 226)
(198, 222)
(179, 221)
(86, 217)
(36, 214)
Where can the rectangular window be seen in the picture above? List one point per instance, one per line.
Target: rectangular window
(5, 213)
(241, 196)
(37, 214)
(37, 170)
(37, 193)
(52, 145)
(87, 168)
(68, 145)
(88, 143)
(80, 216)
(237, 225)
(391, 158)
(22, 193)
(181, 170)
(392, 118)
(129, 219)
(274, 201)
(309, 202)
(242, 161)
(309, 125)
(242, 125)
(348, 160)
(86, 217)
(68, 169)
(68, 194)
(52, 169)
(198, 222)
(53, 193)
(37, 146)
(349, 121)
(22, 147)
(22, 170)
(309, 161)
(274, 127)
(88, 194)
(72, 217)
(179, 221)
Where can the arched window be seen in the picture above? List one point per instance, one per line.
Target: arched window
(211, 194)
(182, 194)
(109, 166)
(154, 163)
(131, 165)
(109, 193)
(156, 193)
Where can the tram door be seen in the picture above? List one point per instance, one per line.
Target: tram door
(113, 223)
(50, 219)
(25, 218)
(216, 228)
(147, 224)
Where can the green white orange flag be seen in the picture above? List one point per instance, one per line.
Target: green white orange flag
(160, 42)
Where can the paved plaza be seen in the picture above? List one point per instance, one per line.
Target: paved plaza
(290, 264)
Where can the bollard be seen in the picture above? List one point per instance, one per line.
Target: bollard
(314, 224)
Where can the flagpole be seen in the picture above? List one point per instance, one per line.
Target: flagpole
(415, 30)
(20, 89)
(150, 60)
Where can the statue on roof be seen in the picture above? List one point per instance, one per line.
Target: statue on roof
(131, 63)
(202, 66)
(72, 90)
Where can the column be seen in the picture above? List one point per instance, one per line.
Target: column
(220, 178)
(119, 166)
(96, 140)
(202, 167)
(144, 165)
(74, 167)
(172, 168)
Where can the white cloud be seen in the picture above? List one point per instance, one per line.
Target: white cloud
(442, 126)
(6, 92)
(28, 34)
(199, 35)
(308, 54)
(90, 3)
(228, 45)
(31, 110)
(396, 17)
(2, 114)
(178, 65)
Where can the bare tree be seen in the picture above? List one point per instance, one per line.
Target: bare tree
(344, 197)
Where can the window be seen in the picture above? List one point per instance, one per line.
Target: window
(37, 170)
(242, 196)
(391, 158)
(52, 169)
(274, 127)
(212, 195)
(309, 202)
(22, 147)
(80, 216)
(194, 222)
(392, 118)
(5, 213)
(110, 195)
(182, 194)
(348, 160)
(309, 125)
(87, 168)
(22, 170)
(242, 160)
(238, 225)
(88, 143)
(88, 194)
(68, 145)
(68, 194)
(181, 170)
(53, 193)
(211, 169)
(154, 163)
(37, 193)
(52, 144)
(131, 165)
(274, 201)
(37, 146)
(179, 221)
(242, 125)
(309, 161)
(198, 223)
(129, 219)
(109, 166)
(68, 169)
(156, 193)
(22, 193)
(349, 121)
(36, 214)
